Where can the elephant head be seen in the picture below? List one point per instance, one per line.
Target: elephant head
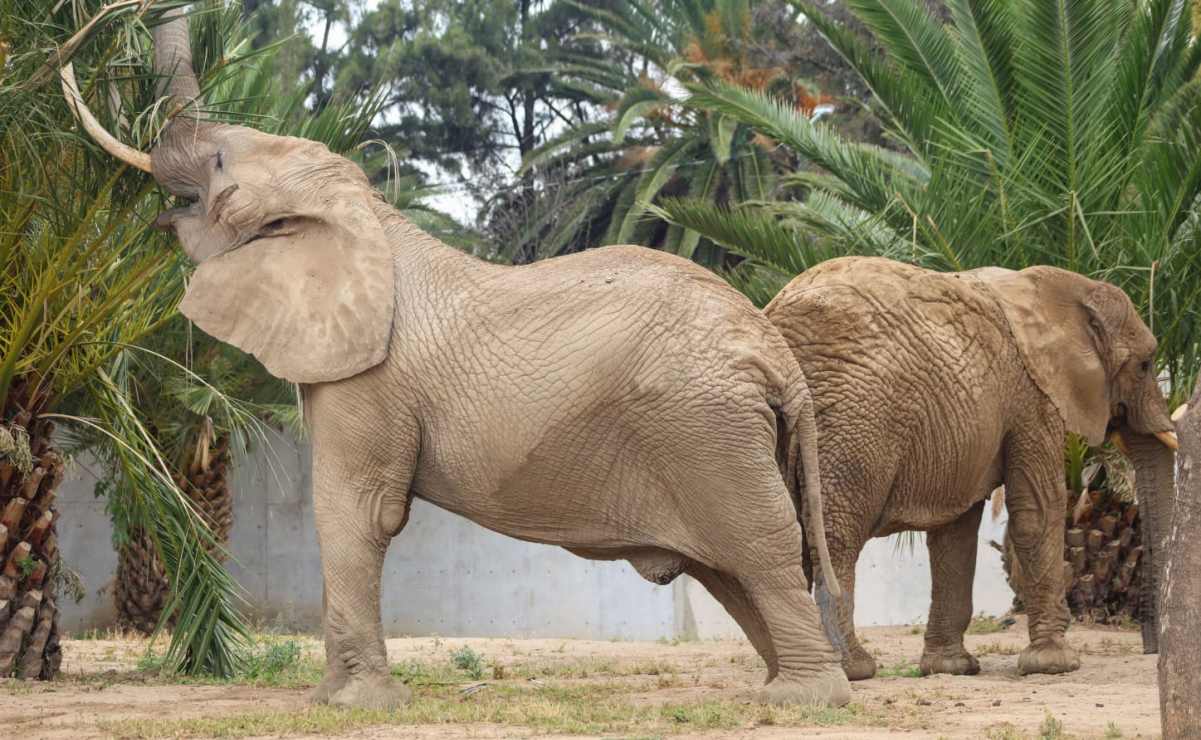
(1086, 348)
(293, 263)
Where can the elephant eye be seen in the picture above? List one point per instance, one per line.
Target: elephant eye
(1144, 367)
(275, 225)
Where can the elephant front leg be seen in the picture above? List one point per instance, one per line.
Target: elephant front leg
(353, 546)
(952, 570)
(1036, 499)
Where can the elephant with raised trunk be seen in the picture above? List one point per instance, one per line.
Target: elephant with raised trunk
(932, 389)
(621, 403)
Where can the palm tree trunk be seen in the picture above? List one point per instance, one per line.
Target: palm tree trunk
(30, 471)
(142, 590)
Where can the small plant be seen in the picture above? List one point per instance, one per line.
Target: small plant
(1112, 732)
(268, 662)
(1051, 728)
(1004, 731)
(983, 624)
(468, 661)
(26, 566)
(900, 670)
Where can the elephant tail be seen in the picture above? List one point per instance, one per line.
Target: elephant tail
(798, 442)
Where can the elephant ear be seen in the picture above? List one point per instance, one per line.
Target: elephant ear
(314, 304)
(1061, 322)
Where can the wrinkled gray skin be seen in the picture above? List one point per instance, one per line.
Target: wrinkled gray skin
(621, 403)
(933, 389)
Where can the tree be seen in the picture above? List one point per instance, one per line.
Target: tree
(650, 145)
(1180, 658)
(83, 278)
(82, 274)
(1033, 132)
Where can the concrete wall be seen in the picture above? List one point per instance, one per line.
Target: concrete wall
(447, 576)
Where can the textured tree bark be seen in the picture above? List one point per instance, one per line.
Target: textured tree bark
(1180, 592)
(30, 471)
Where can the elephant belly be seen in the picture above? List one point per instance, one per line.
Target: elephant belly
(926, 497)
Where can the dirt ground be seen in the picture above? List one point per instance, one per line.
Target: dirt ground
(575, 688)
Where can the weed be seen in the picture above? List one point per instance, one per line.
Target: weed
(1051, 728)
(1004, 731)
(983, 624)
(902, 670)
(468, 661)
(1112, 732)
(996, 648)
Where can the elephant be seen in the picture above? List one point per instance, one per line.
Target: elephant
(933, 389)
(621, 403)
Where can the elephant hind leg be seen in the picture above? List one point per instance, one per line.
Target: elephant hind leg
(952, 570)
(731, 595)
(808, 670)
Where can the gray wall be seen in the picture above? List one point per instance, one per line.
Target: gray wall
(447, 576)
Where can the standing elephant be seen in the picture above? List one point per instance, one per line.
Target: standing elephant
(621, 403)
(932, 389)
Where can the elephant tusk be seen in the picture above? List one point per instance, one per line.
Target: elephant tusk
(1180, 411)
(1169, 440)
(107, 141)
(1116, 438)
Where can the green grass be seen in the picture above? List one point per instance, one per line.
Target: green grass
(1051, 728)
(469, 662)
(996, 648)
(902, 670)
(271, 661)
(588, 710)
(985, 624)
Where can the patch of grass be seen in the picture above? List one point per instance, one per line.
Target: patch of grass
(984, 624)
(917, 629)
(901, 670)
(1112, 732)
(1004, 731)
(270, 662)
(437, 673)
(587, 710)
(469, 662)
(1051, 728)
(996, 648)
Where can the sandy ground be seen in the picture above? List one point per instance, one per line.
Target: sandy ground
(1113, 692)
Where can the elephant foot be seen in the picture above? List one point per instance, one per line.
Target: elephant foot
(959, 663)
(330, 683)
(859, 665)
(829, 687)
(1048, 657)
(368, 692)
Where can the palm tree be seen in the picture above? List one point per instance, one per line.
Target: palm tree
(1031, 132)
(649, 144)
(81, 275)
(83, 278)
(1034, 132)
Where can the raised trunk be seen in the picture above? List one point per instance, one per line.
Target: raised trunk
(1154, 471)
(173, 57)
(1180, 593)
(30, 471)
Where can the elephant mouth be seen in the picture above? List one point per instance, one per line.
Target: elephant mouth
(1119, 431)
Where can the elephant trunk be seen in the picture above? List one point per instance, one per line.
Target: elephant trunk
(173, 57)
(177, 161)
(1154, 470)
